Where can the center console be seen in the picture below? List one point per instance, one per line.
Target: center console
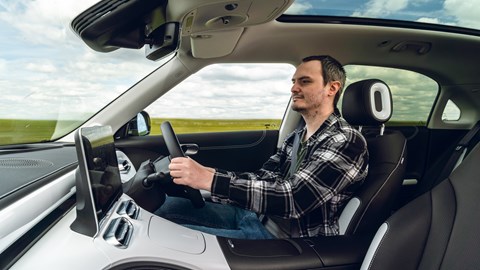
(118, 226)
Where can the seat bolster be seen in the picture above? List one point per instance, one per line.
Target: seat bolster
(374, 246)
(383, 183)
(347, 214)
(464, 239)
(402, 245)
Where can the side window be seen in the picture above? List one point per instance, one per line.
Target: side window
(413, 94)
(226, 97)
(451, 112)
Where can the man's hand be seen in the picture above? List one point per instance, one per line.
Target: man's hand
(186, 171)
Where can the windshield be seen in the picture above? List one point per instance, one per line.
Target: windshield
(448, 12)
(51, 82)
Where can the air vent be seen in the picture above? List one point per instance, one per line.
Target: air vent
(119, 233)
(128, 208)
(21, 163)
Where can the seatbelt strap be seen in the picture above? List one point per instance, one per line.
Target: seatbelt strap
(293, 160)
(293, 164)
(457, 155)
(295, 146)
(294, 229)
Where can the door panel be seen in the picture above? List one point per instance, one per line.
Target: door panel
(236, 151)
(417, 148)
(427, 151)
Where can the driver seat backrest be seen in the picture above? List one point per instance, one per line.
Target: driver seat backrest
(368, 104)
(438, 230)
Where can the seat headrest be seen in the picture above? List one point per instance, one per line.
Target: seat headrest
(367, 103)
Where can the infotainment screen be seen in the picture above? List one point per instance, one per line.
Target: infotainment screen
(98, 181)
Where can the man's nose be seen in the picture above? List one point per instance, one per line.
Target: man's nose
(295, 88)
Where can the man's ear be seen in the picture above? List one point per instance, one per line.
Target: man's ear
(334, 88)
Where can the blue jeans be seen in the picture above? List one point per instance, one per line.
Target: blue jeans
(217, 219)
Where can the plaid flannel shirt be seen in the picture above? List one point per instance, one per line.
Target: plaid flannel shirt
(335, 164)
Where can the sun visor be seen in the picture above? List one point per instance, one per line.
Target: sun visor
(215, 43)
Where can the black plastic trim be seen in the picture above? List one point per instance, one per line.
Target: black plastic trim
(21, 148)
(321, 252)
(28, 188)
(146, 265)
(270, 254)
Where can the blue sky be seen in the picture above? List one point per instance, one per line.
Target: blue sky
(453, 12)
(47, 72)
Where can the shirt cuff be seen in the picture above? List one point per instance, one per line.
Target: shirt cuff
(221, 183)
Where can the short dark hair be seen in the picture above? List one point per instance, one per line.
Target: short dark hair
(332, 70)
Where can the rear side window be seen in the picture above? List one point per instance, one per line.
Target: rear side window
(413, 94)
(451, 112)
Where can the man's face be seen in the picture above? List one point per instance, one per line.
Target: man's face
(308, 90)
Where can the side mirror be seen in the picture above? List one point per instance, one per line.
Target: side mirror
(139, 125)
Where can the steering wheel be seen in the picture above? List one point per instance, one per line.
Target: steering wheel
(175, 150)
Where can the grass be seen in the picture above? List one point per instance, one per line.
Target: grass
(14, 131)
(204, 125)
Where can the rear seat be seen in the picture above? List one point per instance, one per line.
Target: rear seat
(448, 162)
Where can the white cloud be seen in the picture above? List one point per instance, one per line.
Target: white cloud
(299, 7)
(3, 65)
(465, 11)
(429, 20)
(413, 93)
(41, 67)
(381, 8)
(46, 70)
(43, 21)
(229, 91)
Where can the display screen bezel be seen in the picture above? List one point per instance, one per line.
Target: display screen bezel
(98, 179)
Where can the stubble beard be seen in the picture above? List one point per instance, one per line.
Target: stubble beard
(298, 109)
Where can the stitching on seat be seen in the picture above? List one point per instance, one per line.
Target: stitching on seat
(378, 191)
(379, 245)
(453, 222)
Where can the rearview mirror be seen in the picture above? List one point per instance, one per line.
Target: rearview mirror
(162, 41)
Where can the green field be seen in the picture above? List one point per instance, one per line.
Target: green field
(22, 131)
(25, 131)
(203, 125)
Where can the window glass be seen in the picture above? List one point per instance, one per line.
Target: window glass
(226, 97)
(451, 112)
(51, 82)
(413, 94)
(442, 13)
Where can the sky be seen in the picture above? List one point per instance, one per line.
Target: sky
(47, 72)
(452, 12)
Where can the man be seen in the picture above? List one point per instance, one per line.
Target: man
(300, 198)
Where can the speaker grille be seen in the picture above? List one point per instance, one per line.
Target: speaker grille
(14, 163)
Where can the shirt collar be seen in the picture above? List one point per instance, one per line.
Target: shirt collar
(331, 120)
